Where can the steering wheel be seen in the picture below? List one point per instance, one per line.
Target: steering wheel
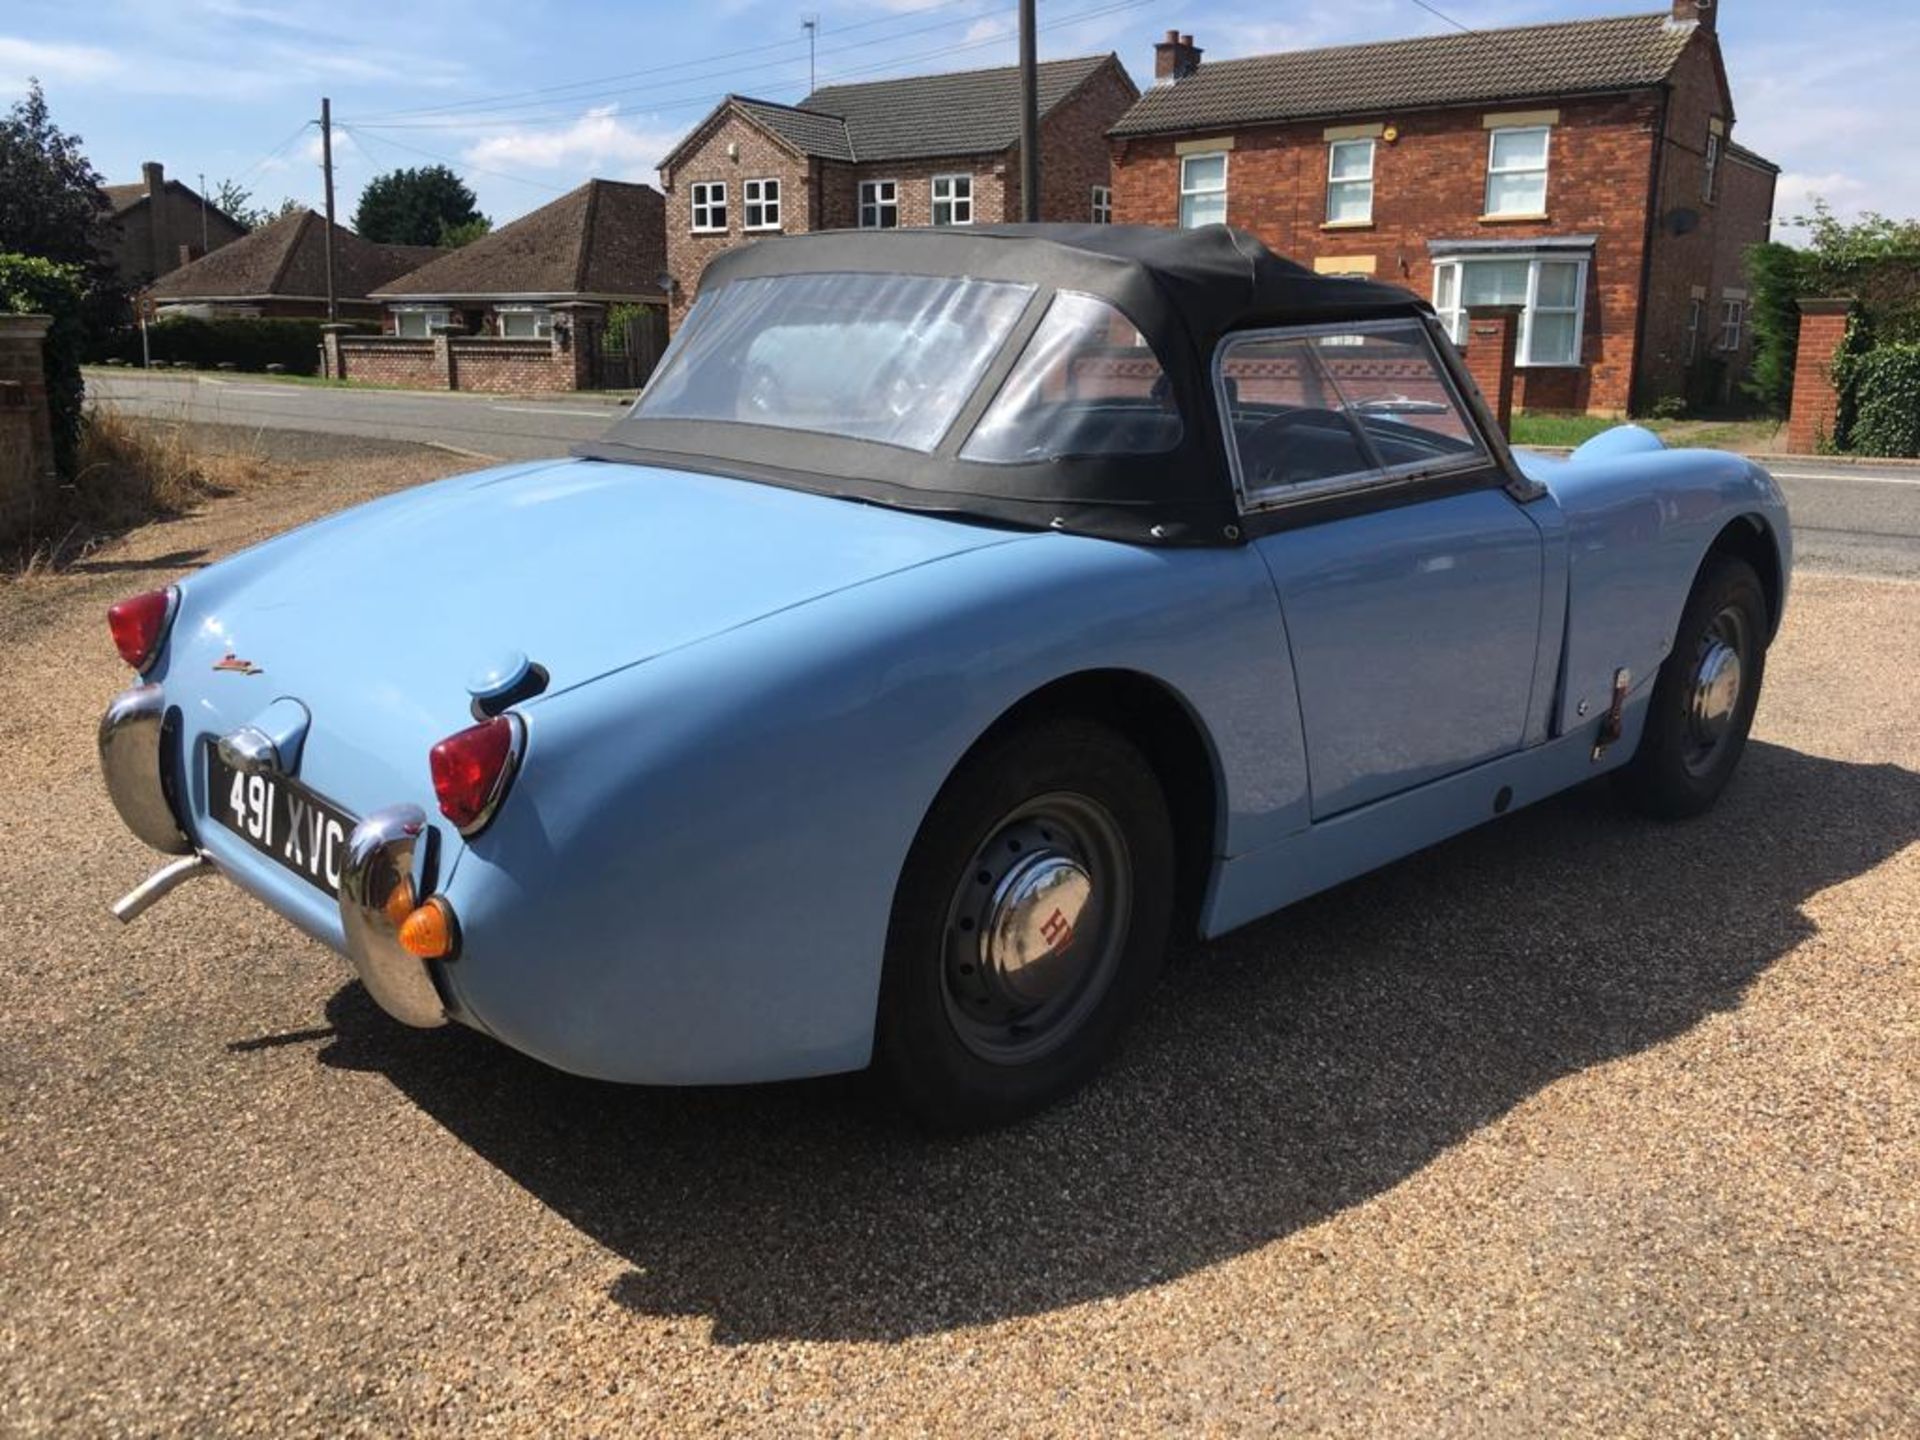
(1269, 452)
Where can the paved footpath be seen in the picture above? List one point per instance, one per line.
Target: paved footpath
(1850, 519)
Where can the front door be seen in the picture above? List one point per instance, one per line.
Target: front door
(1409, 579)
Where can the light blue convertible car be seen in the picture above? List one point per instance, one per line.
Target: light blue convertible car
(955, 616)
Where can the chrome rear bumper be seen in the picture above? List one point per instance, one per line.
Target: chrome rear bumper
(131, 747)
(383, 878)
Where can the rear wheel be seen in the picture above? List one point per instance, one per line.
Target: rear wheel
(1704, 697)
(1031, 919)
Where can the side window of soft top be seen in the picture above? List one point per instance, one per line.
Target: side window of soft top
(1319, 409)
(1086, 384)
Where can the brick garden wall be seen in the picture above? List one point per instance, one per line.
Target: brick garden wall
(489, 364)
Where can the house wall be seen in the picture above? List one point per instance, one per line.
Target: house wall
(1074, 155)
(144, 243)
(1430, 185)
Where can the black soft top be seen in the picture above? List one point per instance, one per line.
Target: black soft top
(1183, 289)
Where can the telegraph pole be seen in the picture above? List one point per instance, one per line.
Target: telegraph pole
(326, 165)
(1029, 118)
(203, 212)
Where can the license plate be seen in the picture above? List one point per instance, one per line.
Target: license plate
(282, 819)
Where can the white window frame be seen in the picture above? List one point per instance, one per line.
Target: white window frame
(542, 321)
(870, 199)
(1278, 497)
(1454, 317)
(1544, 169)
(1102, 206)
(1187, 192)
(1333, 149)
(704, 197)
(431, 316)
(1710, 174)
(762, 194)
(1696, 318)
(953, 199)
(1733, 324)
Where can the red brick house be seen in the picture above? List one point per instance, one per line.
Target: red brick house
(158, 225)
(1583, 170)
(280, 271)
(925, 150)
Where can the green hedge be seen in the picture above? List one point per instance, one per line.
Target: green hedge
(244, 344)
(32, 286)
(1885, 386)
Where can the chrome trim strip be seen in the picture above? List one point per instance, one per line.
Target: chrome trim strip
(379, 885)
(132, 732)
(157, 886)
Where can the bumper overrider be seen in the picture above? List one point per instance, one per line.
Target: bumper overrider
(385, 869)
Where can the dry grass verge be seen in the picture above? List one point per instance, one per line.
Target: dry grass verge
(129, 471)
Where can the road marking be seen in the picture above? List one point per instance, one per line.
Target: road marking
(1847, 479)
(276, 391)
(599, 417)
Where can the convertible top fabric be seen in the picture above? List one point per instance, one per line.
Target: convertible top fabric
(1183, 289)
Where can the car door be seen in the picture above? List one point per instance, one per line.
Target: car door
(1409, 577)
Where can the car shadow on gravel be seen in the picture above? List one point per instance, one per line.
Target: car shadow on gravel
(1297, 1067)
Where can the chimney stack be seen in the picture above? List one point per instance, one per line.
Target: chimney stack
(1689, 12)
(1177, 57)
(155, 175)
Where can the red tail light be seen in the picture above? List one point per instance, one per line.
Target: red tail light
(139, 625)
(471, 771)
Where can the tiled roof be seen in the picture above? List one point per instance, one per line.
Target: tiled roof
(1534, 61)
(1738, 151)
(969, 112)
(605, 238)
(807, 131)
(287, 259)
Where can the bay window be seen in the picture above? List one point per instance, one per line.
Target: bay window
(1550, 289)
(1203, 189)
(1517, 171)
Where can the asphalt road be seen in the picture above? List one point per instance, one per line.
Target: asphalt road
(1577, 1125)
(1848, 519)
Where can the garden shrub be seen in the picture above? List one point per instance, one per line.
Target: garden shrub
(1884, 385)
(247, 344)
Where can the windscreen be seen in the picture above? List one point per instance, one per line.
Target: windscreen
(889, 358)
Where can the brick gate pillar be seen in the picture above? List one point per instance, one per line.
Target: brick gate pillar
(1493, 334)
(1815, 403)
(331, 365)
(27, 478)
(574, 347)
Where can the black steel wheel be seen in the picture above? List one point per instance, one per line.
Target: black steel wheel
(1031, 918)
(1704, 696)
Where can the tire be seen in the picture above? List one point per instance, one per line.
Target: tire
(1696, 731)
(994, 1000)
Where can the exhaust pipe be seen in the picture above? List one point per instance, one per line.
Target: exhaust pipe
(150, 891)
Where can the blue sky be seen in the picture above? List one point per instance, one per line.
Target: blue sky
(527, 99)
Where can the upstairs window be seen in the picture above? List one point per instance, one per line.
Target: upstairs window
(1203, 189)
(879, 204)
(1517, 171)
(1733, 315)
(762, 199)
(953, 199)
(1350, 182)
(1102, 205)
(1711, 169)
(709, 206)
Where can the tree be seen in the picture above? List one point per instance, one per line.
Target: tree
(414, 207)
(50, 200)
(236, 201)
(452, 237)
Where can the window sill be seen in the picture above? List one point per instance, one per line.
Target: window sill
(709, 230)
(1549, 365)
(751, 230)
(1346, 224)
(1539, 219)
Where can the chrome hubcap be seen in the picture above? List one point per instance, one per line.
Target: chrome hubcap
(1715, 694)
(1036, 928)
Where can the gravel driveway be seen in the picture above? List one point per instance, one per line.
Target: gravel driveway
(1576, 1124)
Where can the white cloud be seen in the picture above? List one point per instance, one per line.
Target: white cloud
(986, 30)
(599, 143)
(23, 59)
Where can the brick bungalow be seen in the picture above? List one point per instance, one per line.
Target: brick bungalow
(925, 150)
(279, 271)
(158, 225)
(601, 245)
(1585, 170)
